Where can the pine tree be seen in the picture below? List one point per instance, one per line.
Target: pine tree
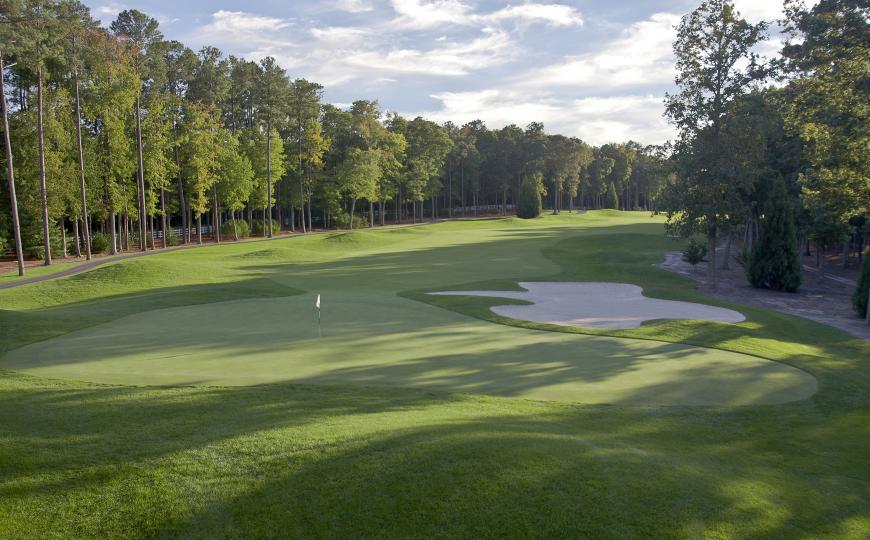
(775, 261)
(530, 197)
(611, 201)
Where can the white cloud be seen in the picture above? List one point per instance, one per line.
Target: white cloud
(334, 66)
(596, 120)
(340, 35)
(552, 14)
(451, 59)
(353, 6)
(107, 13)
(245, 30)
(642, 55)
(422, 14)
(759, 10)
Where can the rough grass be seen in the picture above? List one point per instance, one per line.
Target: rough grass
(333, 460)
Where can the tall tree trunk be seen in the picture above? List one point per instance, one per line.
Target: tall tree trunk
(13, 200)
(449, 190)
(462, 186)
(216, 215)
(85, 227)
(199, 229)
(278, 206)
(43, 191)
(182, 206)
(114, 250)
(302, 207)
(292, 218)
(235, 227)
(352, 210)
(310, 220)
(269, 171)
(143, 244)
(371, 215)
(151, 236)
(76, 238)
(163, 220)
(63, 236)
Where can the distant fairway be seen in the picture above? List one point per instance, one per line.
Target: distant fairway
(187, 394)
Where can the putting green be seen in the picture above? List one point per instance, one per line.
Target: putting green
(385, 340)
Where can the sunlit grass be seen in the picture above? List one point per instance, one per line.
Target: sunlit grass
(331, 459)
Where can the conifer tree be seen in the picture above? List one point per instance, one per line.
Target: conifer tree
(775, 261)
(611, 201)
(530, 197)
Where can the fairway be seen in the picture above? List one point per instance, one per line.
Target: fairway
(374, 337)
(188, 394)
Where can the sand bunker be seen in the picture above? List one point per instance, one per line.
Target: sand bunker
(596, 305)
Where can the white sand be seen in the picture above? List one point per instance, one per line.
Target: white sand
(597, 305)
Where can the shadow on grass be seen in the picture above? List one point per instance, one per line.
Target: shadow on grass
(288, 460)
(823, 351)
(300, 461)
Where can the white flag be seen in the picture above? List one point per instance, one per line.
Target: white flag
(317, 303)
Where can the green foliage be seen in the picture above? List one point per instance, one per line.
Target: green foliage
(4, 244)
(342, 220)
(261, 227)
(530, 197)
(775, 259)
(235, 174)
(829, 57)
(860, 298)
(695, 252)
(599, 169)
(241, 226)
(611, 200)
(201, 149)
(172, 238)
(100, 242)
(715, 66)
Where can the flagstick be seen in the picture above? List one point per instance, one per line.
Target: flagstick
(317, 307)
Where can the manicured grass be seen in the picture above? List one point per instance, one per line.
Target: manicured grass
(402, 445)
(37, 271)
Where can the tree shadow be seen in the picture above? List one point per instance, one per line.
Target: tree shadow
(287, 460)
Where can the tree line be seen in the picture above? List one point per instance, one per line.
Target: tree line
(113, 135)
(780, 167)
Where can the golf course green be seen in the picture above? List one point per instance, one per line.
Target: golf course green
(192, 394)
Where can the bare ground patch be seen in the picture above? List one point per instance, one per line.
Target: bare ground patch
(827, 300)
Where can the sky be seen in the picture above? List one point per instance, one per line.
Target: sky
(597, 70)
